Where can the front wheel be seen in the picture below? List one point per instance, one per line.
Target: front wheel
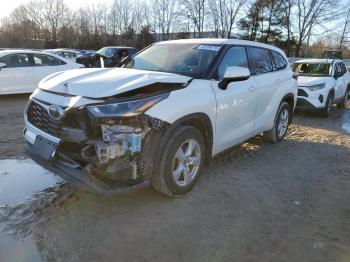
(326, 111)
(181, 162)
(342, 104)
(281, 124)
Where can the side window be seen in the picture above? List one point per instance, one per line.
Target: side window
(16, 60)
(69, 55)
(280, 62)
(47, 60)
(260, 60)
(235, 56)
(123, 53)
(131, 52)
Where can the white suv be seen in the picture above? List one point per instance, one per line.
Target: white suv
(162, 116)
(321, 83)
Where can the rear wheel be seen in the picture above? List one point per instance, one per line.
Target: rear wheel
(280, 128)
(325, 112)
(181, 162)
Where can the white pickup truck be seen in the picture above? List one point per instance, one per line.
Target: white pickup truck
(321, 83)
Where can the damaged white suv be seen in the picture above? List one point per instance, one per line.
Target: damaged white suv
(160, 117)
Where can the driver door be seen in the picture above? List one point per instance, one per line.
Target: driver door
(236, 104)
(18, 75)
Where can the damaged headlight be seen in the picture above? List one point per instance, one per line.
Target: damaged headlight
(125, 109)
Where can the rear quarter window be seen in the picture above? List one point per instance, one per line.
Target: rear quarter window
(260, 60)
(279, 61)
(47, 60)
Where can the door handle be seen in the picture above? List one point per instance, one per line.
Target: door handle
(252, 88)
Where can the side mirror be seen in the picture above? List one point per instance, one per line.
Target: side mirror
(295, 75)
(2, 65)
(234, 74)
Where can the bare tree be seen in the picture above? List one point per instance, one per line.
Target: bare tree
(195, 11)
(224, 14)
(309, 14)
(345, 30)
(165, 14)
(54, 14)
(286, 22)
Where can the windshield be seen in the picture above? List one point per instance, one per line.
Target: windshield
(107, 51)
(312, 69)
(184, 59)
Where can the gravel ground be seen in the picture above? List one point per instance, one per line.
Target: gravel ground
(258, 202)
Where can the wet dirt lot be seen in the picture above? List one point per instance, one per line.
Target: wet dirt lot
(258, 202)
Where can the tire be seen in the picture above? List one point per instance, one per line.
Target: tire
(325, 112)
(177, 175)
(342, 104)
(281, 124)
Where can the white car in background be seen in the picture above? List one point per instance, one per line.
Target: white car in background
(321, 83)
(22, 70)
(65, 53)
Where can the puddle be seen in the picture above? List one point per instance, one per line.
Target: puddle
(18, 250)
(20, 179)
(346, 121)
(24, 187)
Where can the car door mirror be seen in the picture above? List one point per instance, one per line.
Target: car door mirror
(296, 75)
(337, 75)
(234, 74)
(2, 65)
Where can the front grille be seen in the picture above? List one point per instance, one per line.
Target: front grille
(38, 116)
(301, 92)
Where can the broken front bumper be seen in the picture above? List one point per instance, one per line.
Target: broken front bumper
(41, 147)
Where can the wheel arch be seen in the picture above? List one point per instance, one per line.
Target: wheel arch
(290, 99)
(202, 122)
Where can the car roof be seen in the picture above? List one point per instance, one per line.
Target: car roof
(318, 61)
(119, 47)
(24, 51)
(222, 41)
(16, 51)
(62, 49)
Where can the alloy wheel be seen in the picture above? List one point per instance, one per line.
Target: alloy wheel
(186, 162)
(283, 123)
(329, 105)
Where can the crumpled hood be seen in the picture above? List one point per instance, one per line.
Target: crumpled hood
(99, 83)
(312, 80)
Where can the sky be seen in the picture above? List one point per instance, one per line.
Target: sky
(6, 6)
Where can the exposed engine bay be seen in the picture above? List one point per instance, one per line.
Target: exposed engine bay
(107, 148)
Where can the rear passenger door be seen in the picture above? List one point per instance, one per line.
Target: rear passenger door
(268, 80)
(236, 104)
(18, 75)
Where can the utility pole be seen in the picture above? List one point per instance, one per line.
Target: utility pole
(344, 31)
